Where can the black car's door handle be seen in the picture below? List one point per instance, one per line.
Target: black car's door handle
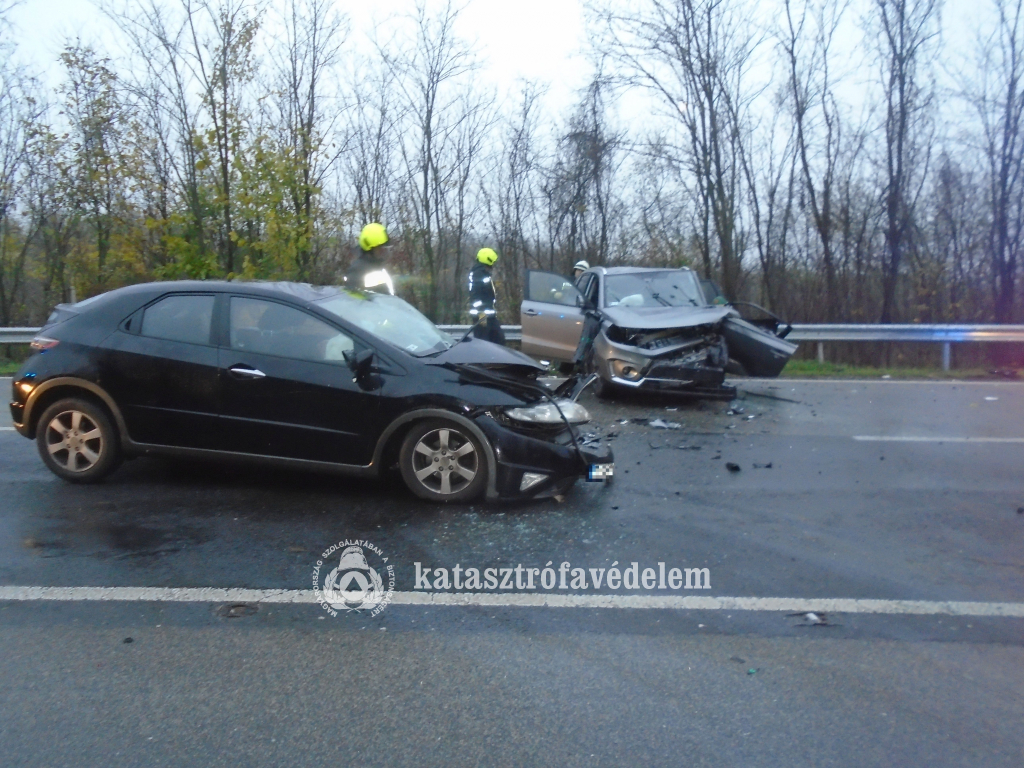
(245, 372)
(530, 312)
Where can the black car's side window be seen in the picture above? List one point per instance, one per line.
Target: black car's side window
(269, 328)
(179, 318)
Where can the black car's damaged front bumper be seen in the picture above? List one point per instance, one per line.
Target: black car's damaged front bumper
(534, 464)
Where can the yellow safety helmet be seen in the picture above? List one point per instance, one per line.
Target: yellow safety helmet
(487, 256)
(373, 235)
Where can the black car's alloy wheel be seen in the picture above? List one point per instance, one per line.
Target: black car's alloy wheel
(441, 461)
(77, 441)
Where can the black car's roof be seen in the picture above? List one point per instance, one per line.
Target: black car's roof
(301, 291)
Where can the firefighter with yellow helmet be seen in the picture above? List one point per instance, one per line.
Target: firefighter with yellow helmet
(482, 312)
(368, 273)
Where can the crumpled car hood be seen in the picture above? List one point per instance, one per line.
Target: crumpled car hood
(475, 351)
(665, 317)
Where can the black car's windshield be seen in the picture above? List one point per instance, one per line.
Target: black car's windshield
(671, 288)
(389, 318)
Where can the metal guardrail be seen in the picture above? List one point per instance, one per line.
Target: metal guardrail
(17, 335)
(512, 332)
(818, 332)
(941, 334)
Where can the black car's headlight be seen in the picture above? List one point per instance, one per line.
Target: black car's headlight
(547, 413)
(626, 370)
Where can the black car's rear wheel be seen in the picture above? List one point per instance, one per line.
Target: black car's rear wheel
(77, 441)
(441, 460)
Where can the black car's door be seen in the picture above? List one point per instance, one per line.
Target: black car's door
(160, 367)
(286, 389)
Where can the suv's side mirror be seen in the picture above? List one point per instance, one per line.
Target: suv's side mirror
(361, 363)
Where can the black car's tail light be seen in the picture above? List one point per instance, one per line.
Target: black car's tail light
(42, 343)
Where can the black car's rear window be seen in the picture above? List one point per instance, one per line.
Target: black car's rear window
(180, 318)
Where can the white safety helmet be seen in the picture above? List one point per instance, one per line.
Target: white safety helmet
(581, 265)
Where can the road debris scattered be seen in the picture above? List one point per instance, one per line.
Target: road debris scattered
(812, 619)
(659, 424)
(732, 466)
(991, 399)
(128, 640)
(772, 397)
(763, 466)
(237, 610)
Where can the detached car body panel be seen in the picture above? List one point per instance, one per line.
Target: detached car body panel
(300, 376)
(658, 330)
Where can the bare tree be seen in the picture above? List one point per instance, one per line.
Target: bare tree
(511, 198)
(998, 98)
(16, 111)
(906, 29)
(429, 72)
(313, 38)
(806, 42)
(694, 56)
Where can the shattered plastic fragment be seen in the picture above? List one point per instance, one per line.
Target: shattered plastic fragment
(732, 466)
(659, 424)
(763, 466)
(812, 619)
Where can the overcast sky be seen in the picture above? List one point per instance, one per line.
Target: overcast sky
(541, 40)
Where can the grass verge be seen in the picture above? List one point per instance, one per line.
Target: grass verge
(812, 369)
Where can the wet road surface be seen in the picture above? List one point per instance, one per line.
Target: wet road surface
(871, 493)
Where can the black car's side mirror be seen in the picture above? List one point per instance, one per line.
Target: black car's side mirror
(361, 363)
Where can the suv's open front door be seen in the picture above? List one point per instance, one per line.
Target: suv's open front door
(551, 316)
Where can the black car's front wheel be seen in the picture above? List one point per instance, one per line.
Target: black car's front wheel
(441, 460)
(77, 441)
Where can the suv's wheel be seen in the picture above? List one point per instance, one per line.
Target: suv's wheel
(603, 389)
(441, 460)
(77, 441)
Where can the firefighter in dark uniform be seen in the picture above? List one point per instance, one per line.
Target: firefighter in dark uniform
(368, 273)
(481, 298)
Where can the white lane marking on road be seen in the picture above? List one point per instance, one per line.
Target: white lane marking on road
(521, 600)
(6, 429)
(923, 439)
(957, 382)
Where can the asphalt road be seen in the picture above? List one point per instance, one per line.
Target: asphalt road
(839, 513)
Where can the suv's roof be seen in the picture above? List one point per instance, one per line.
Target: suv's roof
(634, 270)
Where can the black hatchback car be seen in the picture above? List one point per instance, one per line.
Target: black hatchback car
(298, 376)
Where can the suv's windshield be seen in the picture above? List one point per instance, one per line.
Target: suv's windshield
(672, 288)
(389, 318)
